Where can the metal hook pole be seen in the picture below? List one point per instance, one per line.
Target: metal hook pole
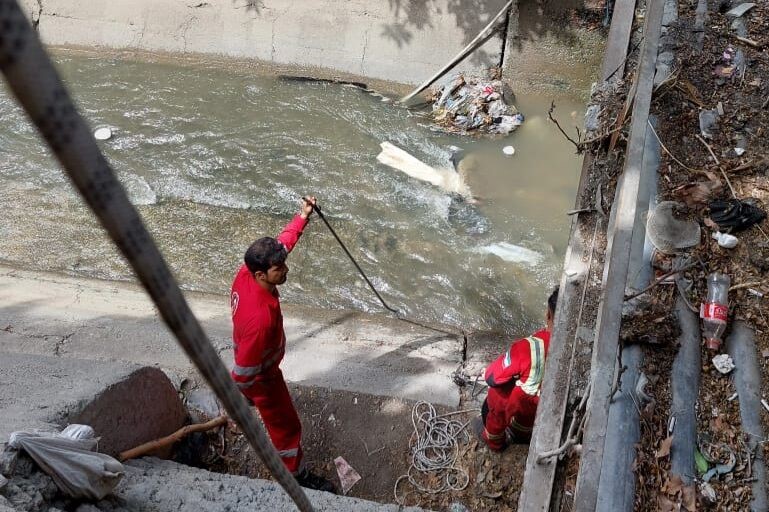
(323, 218)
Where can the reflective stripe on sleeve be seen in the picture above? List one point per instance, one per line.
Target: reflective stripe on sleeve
(534, 379)
(247, 371)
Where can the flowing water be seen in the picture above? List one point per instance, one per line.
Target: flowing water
(215, 158)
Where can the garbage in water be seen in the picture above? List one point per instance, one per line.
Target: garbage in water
(347, 475)
(448, 179)
(103, 133)
(70, 460)
(508, 150)
(715, 311)
(667, 232)
(723, 363)
(725, 240)
(735, 215)
(472, 104)
(511, 253)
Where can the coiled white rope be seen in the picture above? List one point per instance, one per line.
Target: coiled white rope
(434, 451)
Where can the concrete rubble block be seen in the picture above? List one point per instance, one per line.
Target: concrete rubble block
(141, 407)
(164, 486)
(126, 404)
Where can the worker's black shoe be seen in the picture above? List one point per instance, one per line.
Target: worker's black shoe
(313, 481)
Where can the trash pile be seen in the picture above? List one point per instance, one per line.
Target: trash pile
(470, 104)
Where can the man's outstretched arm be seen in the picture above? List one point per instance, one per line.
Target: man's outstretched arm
(293, 230)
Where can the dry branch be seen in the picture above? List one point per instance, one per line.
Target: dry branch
(152, 446)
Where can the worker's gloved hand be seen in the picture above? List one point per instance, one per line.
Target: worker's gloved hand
(307, 206)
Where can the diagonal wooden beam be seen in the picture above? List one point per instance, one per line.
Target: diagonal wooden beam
(603, 370)
(537, 489)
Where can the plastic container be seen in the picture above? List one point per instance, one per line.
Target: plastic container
(715, 311)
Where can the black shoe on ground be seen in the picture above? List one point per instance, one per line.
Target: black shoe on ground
(313, 481)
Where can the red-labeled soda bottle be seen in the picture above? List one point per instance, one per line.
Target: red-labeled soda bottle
(715, 310)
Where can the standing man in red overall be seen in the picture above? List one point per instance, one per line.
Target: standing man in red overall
(514, 379)
(260, 343)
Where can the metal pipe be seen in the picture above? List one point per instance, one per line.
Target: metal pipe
(747, 379)
(685, 384)
(616, 488)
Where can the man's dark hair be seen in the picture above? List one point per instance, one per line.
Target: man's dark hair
(264, 253)
(552, 301)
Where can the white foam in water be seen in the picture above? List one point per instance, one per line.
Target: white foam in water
(512, 253)
(139, 191)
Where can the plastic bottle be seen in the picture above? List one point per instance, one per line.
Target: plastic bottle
(715, 310)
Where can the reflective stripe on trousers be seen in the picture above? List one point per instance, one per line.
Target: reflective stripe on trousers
(257, 370)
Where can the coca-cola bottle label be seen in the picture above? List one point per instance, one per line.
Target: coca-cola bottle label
(714, 311)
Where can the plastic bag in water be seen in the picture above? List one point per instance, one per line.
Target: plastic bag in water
(68, 459)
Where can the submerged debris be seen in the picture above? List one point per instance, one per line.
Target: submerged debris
(471, 104)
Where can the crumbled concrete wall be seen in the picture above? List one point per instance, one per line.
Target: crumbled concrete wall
(396, 40)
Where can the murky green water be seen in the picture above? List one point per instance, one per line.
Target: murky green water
(217, 158)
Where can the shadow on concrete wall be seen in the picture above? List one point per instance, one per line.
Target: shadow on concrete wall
(471, 17)
(537, 19)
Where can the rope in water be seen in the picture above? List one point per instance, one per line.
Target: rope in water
(36, 84)
(434, 451)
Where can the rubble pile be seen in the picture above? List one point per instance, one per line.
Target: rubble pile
(474, 105)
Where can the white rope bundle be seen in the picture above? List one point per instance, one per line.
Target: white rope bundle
(434, 451)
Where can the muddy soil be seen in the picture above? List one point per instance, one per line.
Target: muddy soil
(373, 434)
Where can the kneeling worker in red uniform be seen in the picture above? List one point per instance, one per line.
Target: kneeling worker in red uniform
(514, 380)
(260, 343)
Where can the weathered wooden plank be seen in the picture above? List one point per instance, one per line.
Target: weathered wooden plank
(537, 489)
(619, 38)
(603, 372)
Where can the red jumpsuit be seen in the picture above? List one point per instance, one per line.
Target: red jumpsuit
(514, 380)
(260, 343)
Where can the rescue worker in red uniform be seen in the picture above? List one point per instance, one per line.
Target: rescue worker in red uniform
(514, 379)
(260, 343)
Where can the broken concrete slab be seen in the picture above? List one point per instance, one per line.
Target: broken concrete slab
(125, 404)
(64, 316)
(164, 486)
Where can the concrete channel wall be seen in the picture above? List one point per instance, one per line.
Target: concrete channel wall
(397, 40)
